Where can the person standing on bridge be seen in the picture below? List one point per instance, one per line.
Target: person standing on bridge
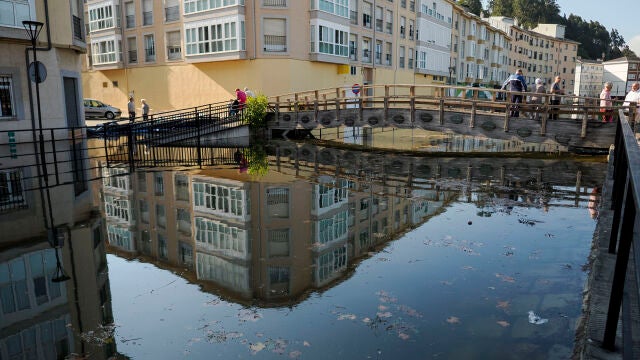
(537, 98)
(555, 99)
(634, 97)
(606, 103)
(516, 84)
(242, 98)
(145, 110)
(248, 92)
(131, 106)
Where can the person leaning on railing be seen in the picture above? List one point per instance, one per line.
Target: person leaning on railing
(634, 97)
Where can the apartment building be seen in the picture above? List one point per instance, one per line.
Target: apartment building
(589, 78)
(622, 73)
(479, 55)
(542, 52)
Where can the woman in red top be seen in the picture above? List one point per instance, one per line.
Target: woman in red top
(241, 97)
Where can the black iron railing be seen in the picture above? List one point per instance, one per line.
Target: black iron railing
(625, 198)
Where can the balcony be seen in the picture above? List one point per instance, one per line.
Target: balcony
(387, 60)
(275, 43)
(149, 55)
(133, 56)
(174, 52)
(366, 57)
(353, 53)
(378, 57)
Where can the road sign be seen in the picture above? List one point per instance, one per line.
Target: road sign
(42, 72)
(355, 89)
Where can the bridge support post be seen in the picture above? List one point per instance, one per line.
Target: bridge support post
(386, 102)
(412, 103)
(441, 112)
(583, 130)
(506, 119)
(198, 122)
(474, 109)
(543, 125)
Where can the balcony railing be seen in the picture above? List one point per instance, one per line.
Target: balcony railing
(174, 52)
(353, 53)
(172, 13)
(275, 43)
(149, 55)
(378, 57)
(276, 3)
(133, 56)
(412, 5)
(147, 18)
(131, 21)
(410, 64)
(77, 28)
(401, 64)
(389, 28)
(388, 59)
(366, 56)
(354, 17)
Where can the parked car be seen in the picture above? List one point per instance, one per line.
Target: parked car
(107, 129)
(97, 109)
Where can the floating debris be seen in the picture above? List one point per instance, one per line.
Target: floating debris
(453, 320)
(503, 323)
(535, 319)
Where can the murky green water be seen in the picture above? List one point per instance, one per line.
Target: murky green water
(321, 253)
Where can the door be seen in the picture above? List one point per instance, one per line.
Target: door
(71, 102)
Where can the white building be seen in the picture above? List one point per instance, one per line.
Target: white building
(588, 81)
(622, 73)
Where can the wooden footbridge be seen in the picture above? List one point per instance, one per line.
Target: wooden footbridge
(462, 110)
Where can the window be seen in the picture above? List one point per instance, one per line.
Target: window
(149, 48)
(7, 108)
(130, 14)
(182, 187)
(158, 184)
(193, 6)
(174, 50)
(219, 199)
(119, 237)
(389, 22)
(215, 235)
(401, 58)
(144, 211)
(215, 36)
(142, 181)
(332, 41)
(132, 54)
(278, 240)
(331, 262)
(367, 8)
(171, 10)
(103, 17)
(105, 50)
(275, 35)
(278, 202)
(161, 216)
(275, 3)
(162, 247)
(337, 7)
(12, 194)
(378, 18)
(147, 12)
(410, 61)
(184, 221)
(117, 208)
(13, 12)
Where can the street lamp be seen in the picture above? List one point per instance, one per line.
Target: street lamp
(452, 69)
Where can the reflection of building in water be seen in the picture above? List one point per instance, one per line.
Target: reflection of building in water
(53, 282)
(272, 239)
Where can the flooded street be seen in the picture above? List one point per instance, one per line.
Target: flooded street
(300, 251)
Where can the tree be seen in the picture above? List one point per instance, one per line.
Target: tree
(474, 6)
(501, 8)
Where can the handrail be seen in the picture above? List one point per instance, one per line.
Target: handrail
(625, 198)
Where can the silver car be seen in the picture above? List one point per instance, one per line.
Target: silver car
(97, 109)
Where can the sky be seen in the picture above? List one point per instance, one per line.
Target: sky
(621, 15)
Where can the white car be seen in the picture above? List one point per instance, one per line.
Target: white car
(97, 109)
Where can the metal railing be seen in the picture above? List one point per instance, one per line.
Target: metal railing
(625, 199)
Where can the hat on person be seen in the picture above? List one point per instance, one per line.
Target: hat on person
(538, 81)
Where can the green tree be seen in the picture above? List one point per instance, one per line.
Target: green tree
(474, 6)
(501, 8)
(255, 111)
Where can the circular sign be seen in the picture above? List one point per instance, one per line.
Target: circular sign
(42, 72)
(355, 89)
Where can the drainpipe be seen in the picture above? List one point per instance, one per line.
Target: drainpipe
(255, 39)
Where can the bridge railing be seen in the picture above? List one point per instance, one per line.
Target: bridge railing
(451, 97)
(624, 237)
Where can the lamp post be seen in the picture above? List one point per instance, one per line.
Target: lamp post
(451, 70)
(54, 236)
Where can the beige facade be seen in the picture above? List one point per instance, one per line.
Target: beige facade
(542, 52)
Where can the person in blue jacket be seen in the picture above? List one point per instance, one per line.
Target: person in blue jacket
(516, 84)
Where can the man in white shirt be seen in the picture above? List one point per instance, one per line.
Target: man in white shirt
(634, 96)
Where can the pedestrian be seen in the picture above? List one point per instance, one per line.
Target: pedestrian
(634, 97)
(556, 90)
(242, 99)
(606, 103)
(537, 98)
(249, 93)
(145, 110)
(515, 84)
(233, 107)
(131, 106)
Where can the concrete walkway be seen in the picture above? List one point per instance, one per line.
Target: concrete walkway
(590, 329)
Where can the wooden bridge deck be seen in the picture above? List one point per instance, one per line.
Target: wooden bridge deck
(436, 108)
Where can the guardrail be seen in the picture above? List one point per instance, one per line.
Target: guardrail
(625, 198)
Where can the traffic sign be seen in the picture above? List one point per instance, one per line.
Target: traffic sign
(355, 89)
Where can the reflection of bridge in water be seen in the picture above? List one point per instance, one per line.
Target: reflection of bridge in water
(435, 108)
